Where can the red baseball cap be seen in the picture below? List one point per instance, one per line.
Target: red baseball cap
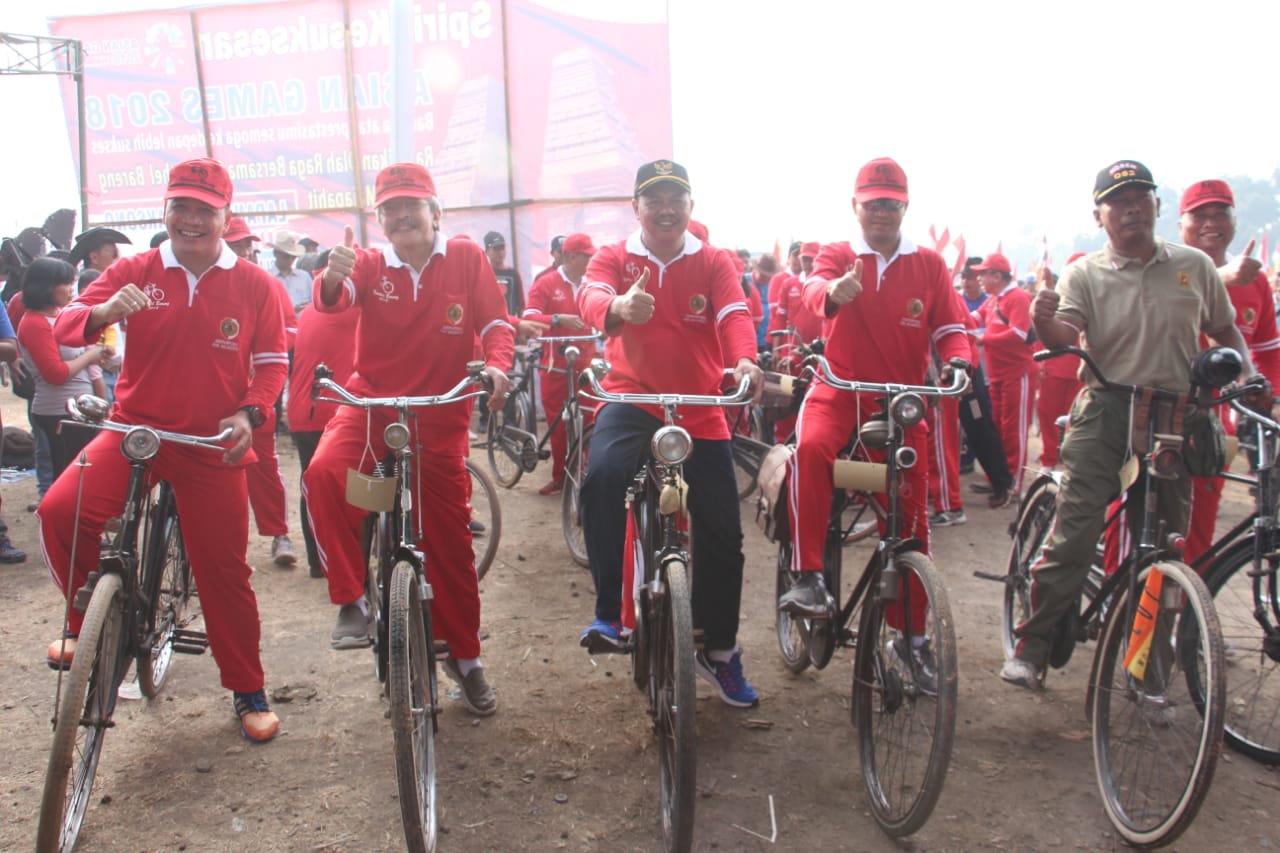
(238, 229)
(403, 180)
(1077, 256)
(881, 178)
(1206, 192)
(203, 179)
(810, 250)
(577, 244)
(699, 230)
(995, 261)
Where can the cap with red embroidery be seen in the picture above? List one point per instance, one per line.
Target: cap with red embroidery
(881, 178)
(1206, 192)
(238, 229)
(578, 244)
(995, 261)
(203, 179)
(403, 180)
(810, 250)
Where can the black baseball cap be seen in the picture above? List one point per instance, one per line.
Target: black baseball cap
(661, 171)
(493, 238)
(1120, 174)
(795, 248)
(557, 243)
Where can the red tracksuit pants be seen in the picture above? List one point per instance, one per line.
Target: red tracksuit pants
(266, 483)
(442, 516)
(944, 456)
(213, 505)
(1057, 393)
(1011, 405)
(823, 426)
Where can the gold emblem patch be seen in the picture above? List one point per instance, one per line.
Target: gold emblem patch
(663, 167)
(915, 308)
(230, 327)
(1184, 279)
(1250, 315)
(698, 303)
(454, 313)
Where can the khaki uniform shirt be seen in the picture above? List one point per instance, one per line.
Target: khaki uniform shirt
(1142, 321)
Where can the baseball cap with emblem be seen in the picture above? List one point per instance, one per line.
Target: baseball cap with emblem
(92, 240)
(403, 180)
(881, 178)
(493, 238)
(285, 244)
(203, 179)
(1120, 174)
(994, 261)
(238, 229)
(578, 244)
(661, 172)
(1206, 192)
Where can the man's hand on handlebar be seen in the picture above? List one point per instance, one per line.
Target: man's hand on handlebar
(500, 387)
(241, 436)
(748, 368)
(1260, 400)
(948, 373)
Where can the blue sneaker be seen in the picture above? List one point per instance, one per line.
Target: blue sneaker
(601, 637)
(731, 684)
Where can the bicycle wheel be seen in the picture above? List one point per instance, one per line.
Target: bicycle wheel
(166, 584)
(380, 528)
(504, 446)
(673, 696)
(1154, 750)
(1030, 533)
(861, 517)
(1249, 612)
(84, 715)
(487, 510)
(793, 630)
(743, 468)
(575, 470)
(413, 708)
(904, 697)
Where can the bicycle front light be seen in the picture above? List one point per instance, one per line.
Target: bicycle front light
(88, 408)
(672, 445)
(396, 436)
(907, 409)
(140, 444)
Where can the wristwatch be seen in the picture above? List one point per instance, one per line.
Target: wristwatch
(256, 416)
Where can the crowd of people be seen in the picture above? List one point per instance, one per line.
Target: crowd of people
(201, 316)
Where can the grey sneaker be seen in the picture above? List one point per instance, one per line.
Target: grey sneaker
(1022, 673)
(282, 553)
(351, 630)
(477, 695)
(948, 518)
(808, 599)
(922, 671)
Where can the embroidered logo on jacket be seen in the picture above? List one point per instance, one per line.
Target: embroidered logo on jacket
(698, 303)
(1184, 279)
(453, 313)
(386, 290)
(914, 308)
(154, 293)
(230, 327)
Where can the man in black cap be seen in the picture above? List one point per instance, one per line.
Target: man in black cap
(557, 255)
(1141, 305)
(97, 248)
(495, 247)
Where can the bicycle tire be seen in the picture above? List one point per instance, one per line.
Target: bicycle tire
(674, 701)
(506, 468)
(166, 585)
(84, 715)
(792, 630)
(1030, 533)
(575, 469)
(413, 693)
(861, 517)
(745, 473)
(1151, 803)
(1247, 610)
(377, 582)
(486, 509)
(893, 707)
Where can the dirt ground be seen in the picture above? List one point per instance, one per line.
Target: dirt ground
(568, 762)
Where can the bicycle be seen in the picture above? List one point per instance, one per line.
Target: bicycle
(1163, 697)
(398, 595)
(1240, 570)
(905, 683)
(662, 641)
(486, 518)
(515, 449)
(137, 609)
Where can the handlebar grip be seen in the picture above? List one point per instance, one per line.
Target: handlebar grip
(323, 371)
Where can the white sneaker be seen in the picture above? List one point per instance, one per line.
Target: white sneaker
(1022, 673)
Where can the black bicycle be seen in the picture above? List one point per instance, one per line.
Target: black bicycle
(138, 608)
(1158, 682)
(903, 696)
(398, 594)
(662, 643)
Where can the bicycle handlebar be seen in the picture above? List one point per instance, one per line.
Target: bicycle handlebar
(599, 367)
(1256, 417)
(1108, 385)
(346, 398)
(87, 413)
(959, 383)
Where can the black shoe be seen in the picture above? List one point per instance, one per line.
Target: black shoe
(1002, 498)
(9, 555)
(983, 488)
(808, 598)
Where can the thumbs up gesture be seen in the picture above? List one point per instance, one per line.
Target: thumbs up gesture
(1242, 269)
(636, 305)
(342, 259)
(846, 288)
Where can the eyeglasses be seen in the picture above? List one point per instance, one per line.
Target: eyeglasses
(884, 205)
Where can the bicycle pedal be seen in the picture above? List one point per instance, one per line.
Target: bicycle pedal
(544, 455)
(190, 642)
(991, 576)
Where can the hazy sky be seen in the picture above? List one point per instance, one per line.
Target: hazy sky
(1000, 113)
